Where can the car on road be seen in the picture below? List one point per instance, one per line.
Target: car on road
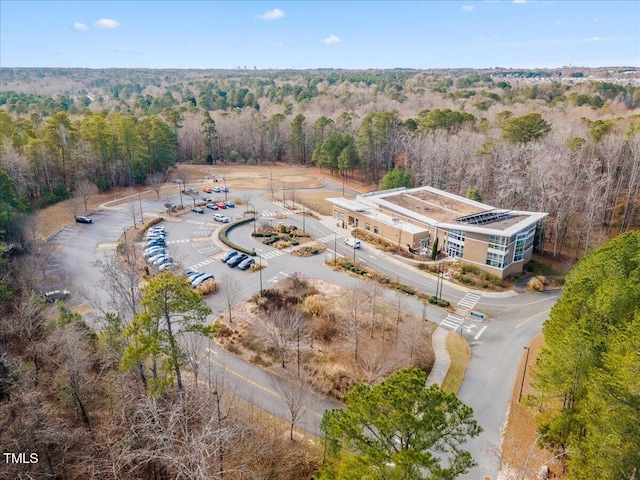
(246, 263)
(203, 278)
(220, 218)
(221, 205)
(197, 209)
(170, 205)
(83, 219)
(229, 204)
(229, 255)
(353, 242)
(212, 206)
(235, 261)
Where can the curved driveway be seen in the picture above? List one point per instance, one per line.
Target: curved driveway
(497, 343)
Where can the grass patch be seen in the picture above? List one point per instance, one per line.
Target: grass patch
(460, 354)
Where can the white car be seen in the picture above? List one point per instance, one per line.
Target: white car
(202, 278)
(353, 242)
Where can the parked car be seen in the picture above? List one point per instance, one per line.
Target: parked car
(246, 263)
(212, 206)
(207, 190)
(190, 271)
(235, 261)
(156, 256)
(154, 243)
(217, 190)
(161, 259)
(170, 205)
(197, 209)
(54, 295)
(225, 189)
(167, 266)
(82, 219)
(221, 205)
(192, 277)
(229, 203)
(229, 255)
(153, 252)
(353, 242)
(156, 238)
(203, 278)
(157, 228)
(207, 198)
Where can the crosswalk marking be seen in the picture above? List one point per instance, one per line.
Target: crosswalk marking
(195, 222)
(173, 242)
(452, 322)
(275, 253)
(469, 300)
(212, 248)
(201, 233)
(329, 238)
(274, 213)
(203, 263)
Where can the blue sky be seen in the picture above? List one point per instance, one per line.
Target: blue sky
(338, 34)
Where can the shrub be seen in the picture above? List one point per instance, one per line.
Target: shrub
(314, 305)
(464, 269)
(207, 288)
(406, 289)
(493, 279)
(222, 330)
(323, 328)
(535, 284)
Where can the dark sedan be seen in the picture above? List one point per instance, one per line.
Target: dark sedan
(83, 220)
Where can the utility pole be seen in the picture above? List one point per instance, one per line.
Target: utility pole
(225, 188)
(335, 249)
(298, 330)
(260, 259)
(303, 219)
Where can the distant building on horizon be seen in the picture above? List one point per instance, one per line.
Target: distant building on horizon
(496, 240)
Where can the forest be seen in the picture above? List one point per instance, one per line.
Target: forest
(565, 142)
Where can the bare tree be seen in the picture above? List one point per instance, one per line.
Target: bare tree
(377, 364)
(282, 329)
(353, 303)
(73, 206)
(372, 290)
(155, 181)
(230, 293)
(132, 208)
(85, 189)
(297, 397)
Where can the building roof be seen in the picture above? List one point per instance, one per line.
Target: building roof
(437, 208)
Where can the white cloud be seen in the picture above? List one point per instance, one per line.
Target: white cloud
(79, 26)
(331, 39)
(106, 23)
(274, 14)
(519, 1)
(468, 8)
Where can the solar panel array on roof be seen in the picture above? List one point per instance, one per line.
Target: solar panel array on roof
(485, 217)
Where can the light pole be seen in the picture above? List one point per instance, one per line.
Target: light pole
(180, 189)
(298, 331)
(303, 219)
(225, 188)
(284, 200)
(260, 271)
(335, 249)
(354, 249)
(141, 214)
(524, 373)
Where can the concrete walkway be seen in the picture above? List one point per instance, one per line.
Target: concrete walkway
(443, 360)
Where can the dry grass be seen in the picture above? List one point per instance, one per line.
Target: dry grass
(519, 445)
(460, 354)
(317, 201)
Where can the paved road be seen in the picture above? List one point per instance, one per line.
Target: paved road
(497, 342)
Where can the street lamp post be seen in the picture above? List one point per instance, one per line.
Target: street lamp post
(303, 219)
(260, 271)
(335, 249)
(524, 373)
(180, 189)
(298, 330)
(141, 214)
(225, 188)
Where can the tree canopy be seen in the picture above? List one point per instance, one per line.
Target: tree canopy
(588, 375)
(526, 128)
(398, 177)
(399, 429)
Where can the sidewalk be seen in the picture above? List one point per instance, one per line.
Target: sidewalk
(443, 360)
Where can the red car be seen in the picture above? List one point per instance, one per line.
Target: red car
(220, 205)
(207, 190)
